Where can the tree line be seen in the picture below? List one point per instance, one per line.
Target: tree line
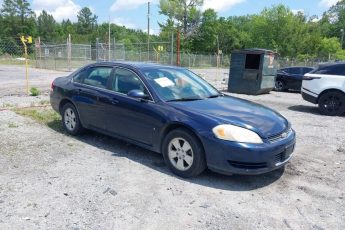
(291, 34)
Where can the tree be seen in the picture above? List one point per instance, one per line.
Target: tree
(183, 13)
(333, 20)
(329, 47)
(46, 26)
(87, 21)
(277, 28)
(206, 37)
(18, 18)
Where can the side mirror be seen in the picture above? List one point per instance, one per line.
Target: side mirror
(138, 94)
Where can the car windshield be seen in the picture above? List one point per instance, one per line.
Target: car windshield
(173, 84)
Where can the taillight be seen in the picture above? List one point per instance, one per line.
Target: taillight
(52, 86)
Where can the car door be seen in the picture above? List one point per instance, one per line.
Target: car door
(136, 119)
(90, 95)
(295, 78)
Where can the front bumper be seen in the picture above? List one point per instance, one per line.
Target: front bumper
(228, 157)
(309, 96)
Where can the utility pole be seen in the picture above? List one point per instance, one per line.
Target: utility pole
(148, 31)
(172, 47)
(178, 48)
(342, 38)
(109, 40)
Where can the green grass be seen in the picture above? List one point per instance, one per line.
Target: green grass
(43, 115)
(12, 125)
(34, 91)
(44, 102)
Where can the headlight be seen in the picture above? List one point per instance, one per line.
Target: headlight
(235, 133)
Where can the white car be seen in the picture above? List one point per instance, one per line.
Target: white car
(325, 86)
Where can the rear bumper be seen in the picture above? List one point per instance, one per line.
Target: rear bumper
(248, 159)
(309, 96)
(54, 101)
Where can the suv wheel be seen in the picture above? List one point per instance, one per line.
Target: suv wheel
(332, 103)
(70, 120)
(183, 153)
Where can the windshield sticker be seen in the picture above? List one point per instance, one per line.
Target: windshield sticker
(164, 82)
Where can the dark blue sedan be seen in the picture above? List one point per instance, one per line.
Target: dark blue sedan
(172, 111)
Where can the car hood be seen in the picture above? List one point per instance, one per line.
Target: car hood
(230, 110)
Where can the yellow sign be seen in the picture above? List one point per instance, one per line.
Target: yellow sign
(160, 48)
(27, 39)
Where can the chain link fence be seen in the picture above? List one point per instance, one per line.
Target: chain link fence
(69, 56)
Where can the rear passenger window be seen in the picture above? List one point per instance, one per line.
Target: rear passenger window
(306, 70)
(96, 76)
(295, 70)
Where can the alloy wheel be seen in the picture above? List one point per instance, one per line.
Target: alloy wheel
(332, 103)
(70, 119)
(180, 153)
(279, 85)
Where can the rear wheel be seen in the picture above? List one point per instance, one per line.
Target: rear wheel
(183, 153)
(70, 119)
(279, 86)
(332, 103)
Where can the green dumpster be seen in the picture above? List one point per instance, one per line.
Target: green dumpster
(252, 71)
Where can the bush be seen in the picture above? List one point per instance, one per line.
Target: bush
(34, 91)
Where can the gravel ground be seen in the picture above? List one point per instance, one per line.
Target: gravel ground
(13, 81)
(49, 180)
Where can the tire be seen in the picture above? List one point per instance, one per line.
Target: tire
(279, 86)
(332, 103)
(70, 120)
(183, 153)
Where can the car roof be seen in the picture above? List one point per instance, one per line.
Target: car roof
(331, 64)
(139, 65)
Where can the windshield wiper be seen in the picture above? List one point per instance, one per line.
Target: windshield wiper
(185, 99)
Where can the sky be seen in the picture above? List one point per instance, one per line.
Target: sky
(133, 13)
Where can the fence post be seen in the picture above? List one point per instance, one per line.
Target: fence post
(114, 49)
(55, 58)
(172, 47)
(97, 44)
(69, 51)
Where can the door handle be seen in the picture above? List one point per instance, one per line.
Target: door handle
(114, 102)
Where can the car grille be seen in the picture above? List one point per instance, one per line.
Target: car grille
(280, 157)
(245, 165)
(280, 136)
(283, 156)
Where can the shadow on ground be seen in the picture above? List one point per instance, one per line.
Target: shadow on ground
(155, 161)
(307, 109)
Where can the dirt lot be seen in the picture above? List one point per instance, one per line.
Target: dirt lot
(49, 180)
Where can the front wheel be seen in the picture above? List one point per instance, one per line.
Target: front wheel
(70, 120)
(332, 103)
(183, 153)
